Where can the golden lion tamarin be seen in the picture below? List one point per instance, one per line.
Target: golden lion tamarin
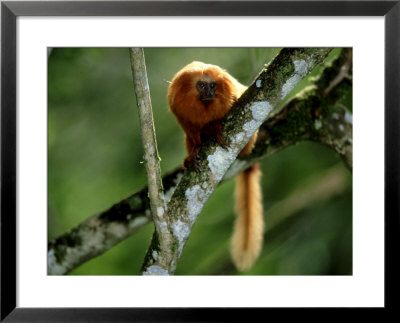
(200, 96)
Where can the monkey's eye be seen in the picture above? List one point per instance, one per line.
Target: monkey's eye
(213, 85)
(201, 85)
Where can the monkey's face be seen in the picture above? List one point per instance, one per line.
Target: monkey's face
(206, 88)
(201, 93)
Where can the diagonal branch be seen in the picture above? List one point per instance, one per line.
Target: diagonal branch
(313, 114)
(101, 231)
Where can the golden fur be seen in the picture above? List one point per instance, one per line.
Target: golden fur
(247, 236)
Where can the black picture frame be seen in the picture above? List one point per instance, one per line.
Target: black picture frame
(11, 10)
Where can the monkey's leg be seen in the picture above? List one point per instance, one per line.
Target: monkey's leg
(192, 147)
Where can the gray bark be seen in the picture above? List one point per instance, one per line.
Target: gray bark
(158, 205)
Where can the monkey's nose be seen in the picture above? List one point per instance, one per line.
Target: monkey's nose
(210, 93)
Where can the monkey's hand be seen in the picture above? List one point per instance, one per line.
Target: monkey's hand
(192, 162)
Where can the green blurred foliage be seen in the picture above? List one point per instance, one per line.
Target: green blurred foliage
(95, 160)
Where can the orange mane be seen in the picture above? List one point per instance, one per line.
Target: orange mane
(183, 97)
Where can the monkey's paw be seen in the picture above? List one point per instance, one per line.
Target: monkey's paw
(221, 141)
(192, 162)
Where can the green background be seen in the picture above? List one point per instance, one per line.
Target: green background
(95, 160)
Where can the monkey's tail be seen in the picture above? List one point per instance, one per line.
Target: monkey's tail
(248, 231)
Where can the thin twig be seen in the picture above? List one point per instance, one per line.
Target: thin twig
(151, 157)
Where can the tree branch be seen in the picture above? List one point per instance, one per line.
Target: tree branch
(313, 114)
(68, 251)
(151, 157)
(158, 206)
